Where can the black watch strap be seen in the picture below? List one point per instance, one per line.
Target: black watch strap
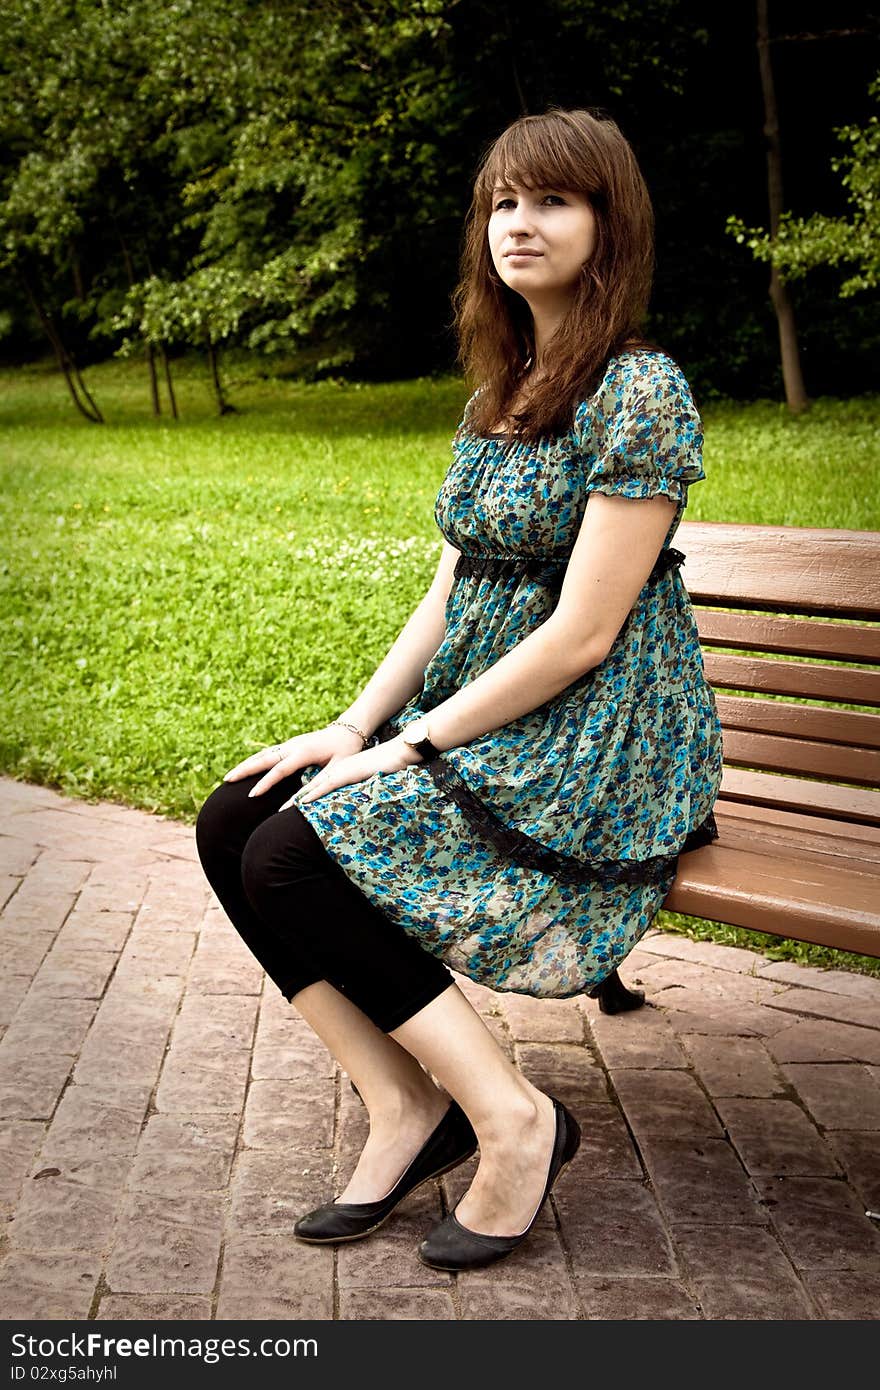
(426, 750)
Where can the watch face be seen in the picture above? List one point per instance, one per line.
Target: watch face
(415, 732)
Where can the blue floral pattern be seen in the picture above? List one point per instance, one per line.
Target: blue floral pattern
(535, 857)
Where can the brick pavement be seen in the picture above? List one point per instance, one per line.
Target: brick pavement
(164, 1117)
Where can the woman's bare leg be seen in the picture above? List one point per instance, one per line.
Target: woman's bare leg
(402, 1101)
(514, 1122)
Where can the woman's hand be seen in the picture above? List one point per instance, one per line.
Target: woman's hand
(322, 746)
(391, 756)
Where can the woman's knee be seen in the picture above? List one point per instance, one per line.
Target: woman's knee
(221, 816)
(280, 852)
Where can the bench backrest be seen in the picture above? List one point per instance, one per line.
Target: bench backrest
(789, 740)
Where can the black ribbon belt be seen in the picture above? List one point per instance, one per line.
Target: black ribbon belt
(547, 570)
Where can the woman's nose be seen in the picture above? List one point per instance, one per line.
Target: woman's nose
(521, 223)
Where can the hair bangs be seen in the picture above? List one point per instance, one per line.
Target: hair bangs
(538, 152)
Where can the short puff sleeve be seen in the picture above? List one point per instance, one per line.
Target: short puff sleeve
(641, 435)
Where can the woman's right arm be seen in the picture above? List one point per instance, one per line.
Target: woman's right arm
(394, 682)
(400, 674)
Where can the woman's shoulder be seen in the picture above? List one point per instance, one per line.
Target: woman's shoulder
(638, 378)
(643, 366)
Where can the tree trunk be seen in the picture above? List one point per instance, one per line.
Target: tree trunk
(223, 406)
(148, 347)
(792, 376)
(169, 384)
(63, 358)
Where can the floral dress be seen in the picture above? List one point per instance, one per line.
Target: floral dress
(535, 857)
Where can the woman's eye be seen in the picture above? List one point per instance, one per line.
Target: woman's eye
(554, 198)
(503, 203)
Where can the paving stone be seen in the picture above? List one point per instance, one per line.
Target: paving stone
(614, 1228)
(95, 931)
(85, 1126)
(274, 1277)
(16, 856)
(297, 1116)
(542, 1020)
(187, 1173)
(512, 1292)
(642, 1038)
(733, 1066)
(821, 1223)
(389, 1256)
(203, 1082)
(36, 1287)
(734, 1299)
(13, 989)
(24, 949)
(824, 1004)
(838, 1096)
(691, 1011)
(8, 886)
(209, 1025)
(632, 1298)
(72, 974)
(133, 1307)
(726, 986)
(300, 1056)
(19, 1141)
(865, 987)
(729, 958)
(396, 1305)
(157, 953)
(700, 1181)
(859, 1155)
(559, 1067)
(606, 1151)
(31, 1083)
(661, 1102)
(61, 1029)
(850, 1297)
(815, 1040)
(229, 968)
(775, 1136)
(167, 1244)
(71, 1208)
(270, 1190)
(747, 1257)
(189, 1131)
(33, 909)
(134, 1063)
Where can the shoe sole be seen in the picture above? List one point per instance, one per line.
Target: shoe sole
(343, 1240)
(456, 1269)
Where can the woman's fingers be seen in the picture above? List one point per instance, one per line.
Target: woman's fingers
(277, 773)
(257, 762)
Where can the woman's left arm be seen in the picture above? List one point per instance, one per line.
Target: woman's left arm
(617, 545)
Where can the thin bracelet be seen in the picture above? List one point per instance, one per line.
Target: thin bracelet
(354, 729)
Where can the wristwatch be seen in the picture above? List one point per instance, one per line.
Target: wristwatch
(415, 735)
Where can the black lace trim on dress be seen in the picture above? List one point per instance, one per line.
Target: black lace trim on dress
(546, 569)
(522, 849)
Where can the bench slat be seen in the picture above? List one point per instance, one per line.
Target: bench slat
(798, 794)
(792, 636)
(786, 569)
(829, 761)
(850, 685)
(847, 727)
(850, 839)
(783, 892)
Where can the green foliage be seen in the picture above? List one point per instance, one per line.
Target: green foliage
(802, 244)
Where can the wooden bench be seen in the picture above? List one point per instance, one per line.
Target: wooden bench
(798, 853)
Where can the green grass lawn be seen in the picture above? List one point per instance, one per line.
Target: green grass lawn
(179, 595)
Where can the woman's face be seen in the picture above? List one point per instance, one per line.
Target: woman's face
(540, 239)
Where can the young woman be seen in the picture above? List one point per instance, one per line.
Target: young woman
(509, 793)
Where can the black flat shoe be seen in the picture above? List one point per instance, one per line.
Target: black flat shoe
(450, 1144)
(614, 997)
(452, 1246)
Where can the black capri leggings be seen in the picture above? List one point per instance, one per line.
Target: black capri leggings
(300, 915)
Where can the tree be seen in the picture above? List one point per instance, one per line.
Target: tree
(802, 244)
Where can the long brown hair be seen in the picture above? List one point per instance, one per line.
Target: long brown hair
(579, 152)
